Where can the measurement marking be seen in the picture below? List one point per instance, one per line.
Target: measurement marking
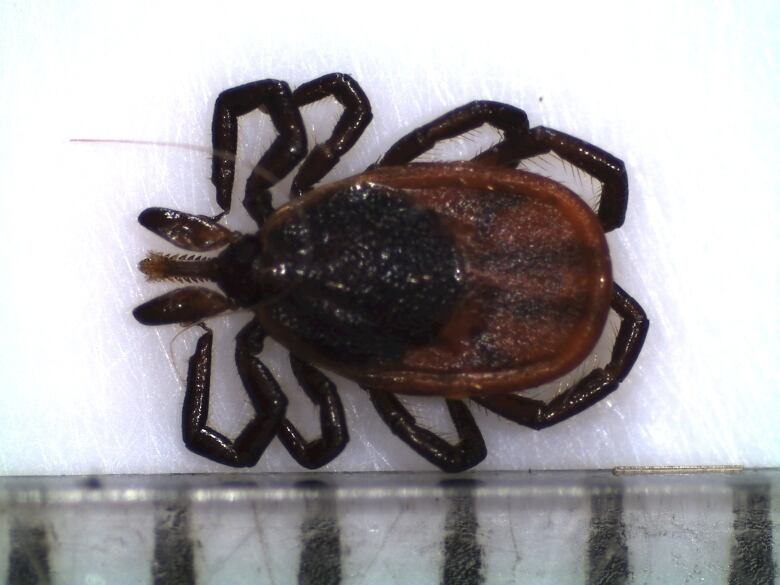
(751, 553)
(173, 549)
(607, 549)
(320, 537)
(28, 559)
(462, 551)
(676, 469)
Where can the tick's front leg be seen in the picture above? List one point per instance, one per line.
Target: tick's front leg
(287, 150)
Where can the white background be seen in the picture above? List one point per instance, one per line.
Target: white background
(686, 94)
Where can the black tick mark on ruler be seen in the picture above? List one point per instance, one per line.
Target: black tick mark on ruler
(751, 553)
(28, 558)
(463, 554)
(607, 548)
(320, 537)
(173, 548)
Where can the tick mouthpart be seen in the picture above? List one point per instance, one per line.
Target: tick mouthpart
(186, 305)
(198, 233)
(178, 267)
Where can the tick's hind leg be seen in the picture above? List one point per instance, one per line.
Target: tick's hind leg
(596, 385)
(353, 121)
(287, 150)
(467, 453)
(322, 392)
(267, 399)
(511, 121)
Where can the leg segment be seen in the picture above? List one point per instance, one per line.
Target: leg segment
(356, 117)
(519, 142)
(511, 121)
(275, 98)
(593, 387)
(603, 166)
(322, 392)
(467, 453)
(267, 399)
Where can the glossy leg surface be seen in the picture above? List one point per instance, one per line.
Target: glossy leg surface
(511, 121)
(333, 424)
(287, 150)
(466, 453)
(350, 126)
(267, 399)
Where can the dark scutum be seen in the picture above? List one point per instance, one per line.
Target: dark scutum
(367, 274)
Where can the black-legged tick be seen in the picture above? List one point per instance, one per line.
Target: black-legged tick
(468, 280)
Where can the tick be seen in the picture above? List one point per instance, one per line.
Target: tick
(472, 281)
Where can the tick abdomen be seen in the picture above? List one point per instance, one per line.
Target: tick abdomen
(440, 278)
(534, 281)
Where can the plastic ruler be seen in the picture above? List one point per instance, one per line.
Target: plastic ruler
(625, 526)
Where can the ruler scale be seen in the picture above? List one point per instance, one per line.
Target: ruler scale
(173, 547)
(608, 560)
(463, 553)
(327, 529)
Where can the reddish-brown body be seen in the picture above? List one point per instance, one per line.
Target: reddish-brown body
(537, 276)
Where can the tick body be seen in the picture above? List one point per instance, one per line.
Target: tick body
(470, 280)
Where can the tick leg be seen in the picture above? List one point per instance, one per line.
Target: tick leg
(353, 121)
(467, 453)
(275, 98)
(322, 392)
(267, 399)
(600, 164)
(593, 387)
(511, 121)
